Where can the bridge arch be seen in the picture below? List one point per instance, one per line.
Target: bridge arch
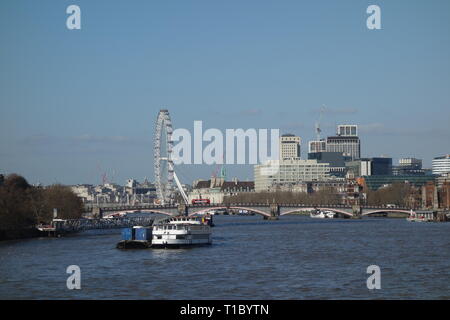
(158, 211)
(387, 210)
(147, 211)
(317, 208)
(231, 207)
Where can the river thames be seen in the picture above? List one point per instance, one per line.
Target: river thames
(295, 257)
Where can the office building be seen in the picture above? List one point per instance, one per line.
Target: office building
(290, 147)
(376, 182)
(274, 172)
(381, 166)
(336, 161)
(346, 141)
(347, 130)
(441, 165)
(370, 166)
(410, 163)
(317, 146)
(408, 166)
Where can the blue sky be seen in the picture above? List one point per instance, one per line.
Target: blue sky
(76, 103)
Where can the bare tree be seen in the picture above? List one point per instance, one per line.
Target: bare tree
(62, 198)
(397, 193)
(325, 196)
(23, 206)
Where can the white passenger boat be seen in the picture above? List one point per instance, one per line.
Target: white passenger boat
(318, 214)
(322, 214)
(421, 216)
(181, 232)
(330, 214)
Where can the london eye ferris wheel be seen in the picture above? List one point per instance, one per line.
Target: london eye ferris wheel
(165, 176)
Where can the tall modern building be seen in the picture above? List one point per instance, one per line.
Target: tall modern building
(317, 146)
(275, 172)
(441, 165)
(290, 147)
(346, 141)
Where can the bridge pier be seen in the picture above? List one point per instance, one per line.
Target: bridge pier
(183, 209)
(97, 213)
(357, 212)
(274, 212)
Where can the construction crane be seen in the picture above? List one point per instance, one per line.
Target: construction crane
(220, 171)
(103, 174)
(318, 130)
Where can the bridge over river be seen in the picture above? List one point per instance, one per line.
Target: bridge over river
(104, 219)
(267, 210)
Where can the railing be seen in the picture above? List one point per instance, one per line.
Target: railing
(76, 225)
(118, 206)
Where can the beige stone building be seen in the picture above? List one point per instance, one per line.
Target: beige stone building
(216, 189)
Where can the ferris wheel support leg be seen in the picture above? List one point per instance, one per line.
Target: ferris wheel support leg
(180, 188)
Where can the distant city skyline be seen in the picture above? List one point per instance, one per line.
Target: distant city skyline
(77, 103)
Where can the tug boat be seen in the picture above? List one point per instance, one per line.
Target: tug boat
(181, 231)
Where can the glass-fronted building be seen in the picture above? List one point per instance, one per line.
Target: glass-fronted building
(376, 182)
(370, 166)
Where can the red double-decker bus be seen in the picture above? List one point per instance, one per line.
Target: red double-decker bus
(200, 201)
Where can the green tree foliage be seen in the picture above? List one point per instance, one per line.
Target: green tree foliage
(23, 206)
